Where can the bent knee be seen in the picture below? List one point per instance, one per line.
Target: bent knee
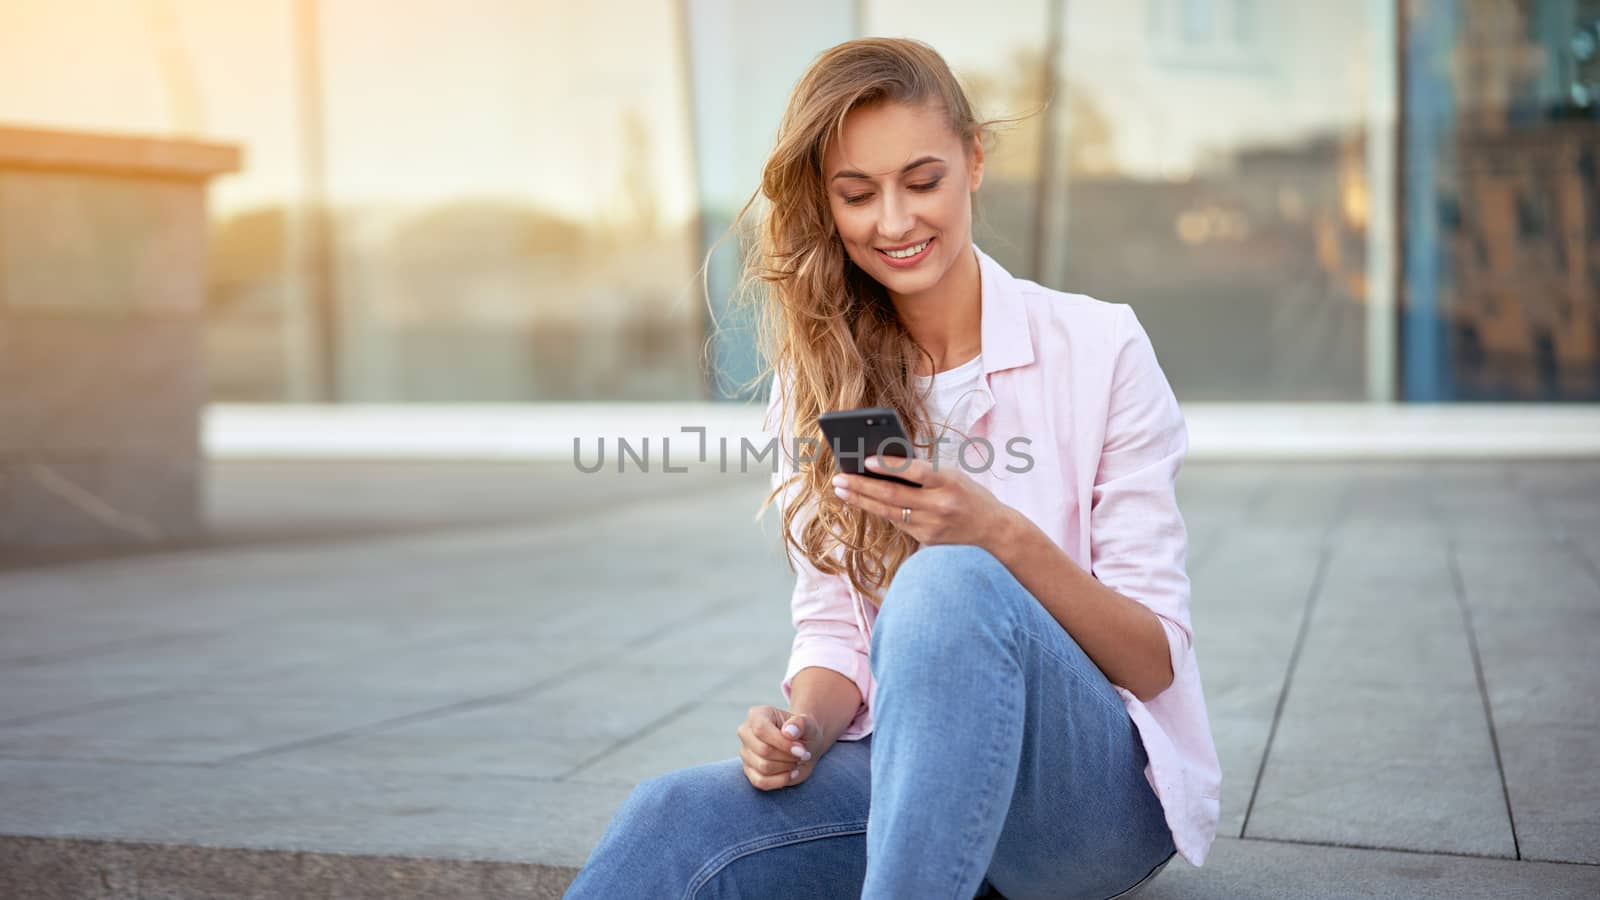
(947, 575)
(940, 567)
(686, 793)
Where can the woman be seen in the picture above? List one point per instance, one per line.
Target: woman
(992, 687)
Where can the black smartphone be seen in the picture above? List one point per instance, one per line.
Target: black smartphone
(855, 434)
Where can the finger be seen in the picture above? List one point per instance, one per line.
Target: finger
(872, 505)
(802, 727)
(753, 760)
(766, 782)
(762, 728)
(885, 492)
(910, 468)
(781, 745)
(760, 749)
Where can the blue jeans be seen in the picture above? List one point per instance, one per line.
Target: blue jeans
(1001, 760)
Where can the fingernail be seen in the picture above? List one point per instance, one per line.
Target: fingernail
(795, 774)
(872, 462)
(791, 730)
(800, 751)
(840, 481)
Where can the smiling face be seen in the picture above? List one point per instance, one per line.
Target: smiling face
(900, 187)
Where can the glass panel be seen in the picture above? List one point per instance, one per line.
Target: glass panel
(507, 186)
(1215, 179)
(514, 207)
(1000, 60)
(744, 59)
(1502, 149)
(185, 69)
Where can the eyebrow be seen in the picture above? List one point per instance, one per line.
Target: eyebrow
(850, 173)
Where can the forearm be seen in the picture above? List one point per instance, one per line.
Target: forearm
(1123, 637)
(827, 696)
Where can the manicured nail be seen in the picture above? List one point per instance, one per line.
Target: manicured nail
(800, 751)
(873, 463)
(795, 774)
(791, 730)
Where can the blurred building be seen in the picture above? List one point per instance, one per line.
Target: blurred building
(510, 201)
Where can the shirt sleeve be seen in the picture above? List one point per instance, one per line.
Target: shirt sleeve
(1139, 543)
(822, 607)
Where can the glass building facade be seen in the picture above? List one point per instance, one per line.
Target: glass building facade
(503, 201)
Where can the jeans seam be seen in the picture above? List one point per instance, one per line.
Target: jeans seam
(1148, 875)
(1114, 706)
(1023, 627)
(983, 811)
(782, 839)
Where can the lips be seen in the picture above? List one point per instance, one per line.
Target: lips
(904, 246)
(909, 261)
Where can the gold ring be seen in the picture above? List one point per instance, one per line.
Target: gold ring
(905, 515)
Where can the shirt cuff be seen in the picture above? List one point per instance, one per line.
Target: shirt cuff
(840, 657)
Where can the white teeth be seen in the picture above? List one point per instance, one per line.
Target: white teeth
(908, 252)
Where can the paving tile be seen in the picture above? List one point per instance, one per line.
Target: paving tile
(1555, 794)
(1403, 651)
(548, 734)
(368, 812)
(758, 684)
(1342, 723)
(1423, 806)
(206, 659)
(1383, 729)
(1517, 577)
(1539, 666)
(479, 666)
(706, 733)
(194, 726)
(25, 702)
(1249, 598)
(1266, 870)
(1241, 720)
(738, 636)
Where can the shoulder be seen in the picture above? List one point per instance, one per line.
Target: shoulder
(1065, 320)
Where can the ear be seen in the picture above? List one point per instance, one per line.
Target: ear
(977, 161)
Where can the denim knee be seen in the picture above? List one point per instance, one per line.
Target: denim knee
(937, 567)
(649, 800)
(946, 588)
(659, 829)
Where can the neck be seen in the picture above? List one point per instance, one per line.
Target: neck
(946, 319)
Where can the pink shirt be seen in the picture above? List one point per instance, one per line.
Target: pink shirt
(1078, 377)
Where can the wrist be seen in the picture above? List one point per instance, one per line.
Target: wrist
(1006, 534)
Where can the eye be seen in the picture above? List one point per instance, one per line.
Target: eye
(856, 199)
(927, 186)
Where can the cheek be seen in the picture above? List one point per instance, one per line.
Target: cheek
(852, 225)
(952, 208)
(855, 230)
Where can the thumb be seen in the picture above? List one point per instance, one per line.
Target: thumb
(800, 726)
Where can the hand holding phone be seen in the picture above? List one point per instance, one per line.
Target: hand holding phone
(855, 434)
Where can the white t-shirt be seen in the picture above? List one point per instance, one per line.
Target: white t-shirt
(953, 391)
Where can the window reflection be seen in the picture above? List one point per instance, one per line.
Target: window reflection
(1503, 204)
(1216, 181)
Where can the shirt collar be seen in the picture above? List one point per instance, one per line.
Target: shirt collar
(1003, 319)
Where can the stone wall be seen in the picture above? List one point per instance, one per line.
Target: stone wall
(102, 290)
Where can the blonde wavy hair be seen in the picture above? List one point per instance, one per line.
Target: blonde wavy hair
(829, 327)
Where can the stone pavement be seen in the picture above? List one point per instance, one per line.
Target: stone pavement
(441, 680)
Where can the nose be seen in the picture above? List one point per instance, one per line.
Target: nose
(895, 220)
